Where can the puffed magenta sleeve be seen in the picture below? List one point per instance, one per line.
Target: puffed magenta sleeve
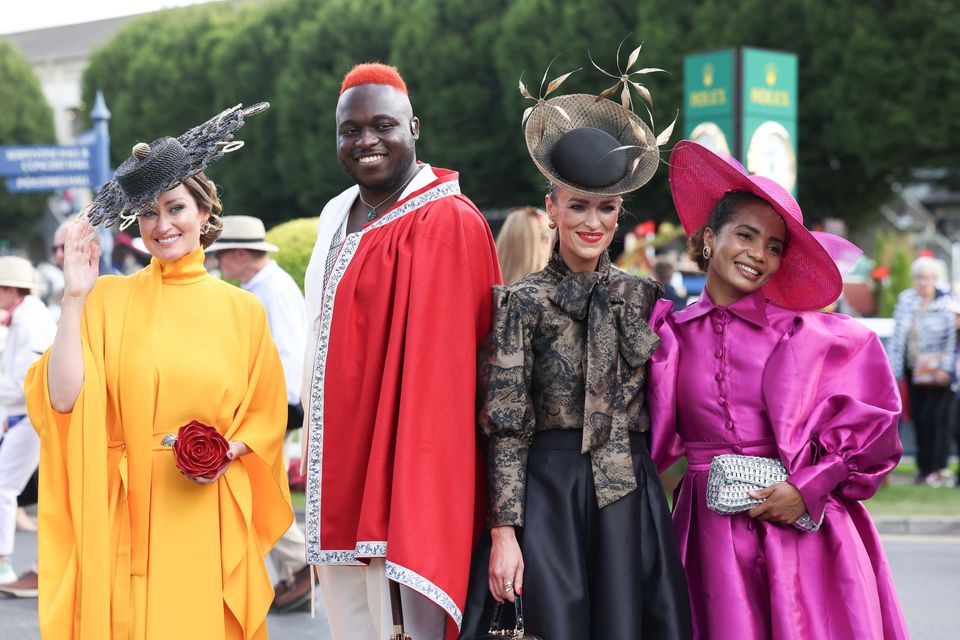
(834, 407)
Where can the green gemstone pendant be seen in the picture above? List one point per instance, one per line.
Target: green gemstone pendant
(371, 215)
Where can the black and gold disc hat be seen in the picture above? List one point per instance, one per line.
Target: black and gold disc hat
(591, 144)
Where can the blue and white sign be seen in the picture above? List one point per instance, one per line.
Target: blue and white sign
(45, 159)
(51, 167)
(48, 182)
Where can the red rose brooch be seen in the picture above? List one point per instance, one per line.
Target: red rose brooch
(198, 449)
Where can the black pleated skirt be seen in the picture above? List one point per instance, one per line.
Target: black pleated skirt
(590, 573)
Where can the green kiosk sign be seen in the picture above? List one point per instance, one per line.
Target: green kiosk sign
(744, 102)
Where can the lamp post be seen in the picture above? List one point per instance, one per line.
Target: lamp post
(100, 173)
(101, 161)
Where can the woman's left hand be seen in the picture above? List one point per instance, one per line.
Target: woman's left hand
(782, 504)
(236, 450)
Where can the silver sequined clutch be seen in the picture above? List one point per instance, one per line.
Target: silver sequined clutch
(732, 476)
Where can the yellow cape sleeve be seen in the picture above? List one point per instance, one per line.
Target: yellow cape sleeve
(75, 528)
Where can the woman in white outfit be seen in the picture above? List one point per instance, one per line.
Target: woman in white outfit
(30, 332)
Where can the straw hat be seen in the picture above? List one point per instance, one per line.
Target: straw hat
(242, 232)
(17, 272)
(809, 276)
(164, 164)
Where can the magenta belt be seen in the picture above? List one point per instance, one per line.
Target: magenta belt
(699, 454)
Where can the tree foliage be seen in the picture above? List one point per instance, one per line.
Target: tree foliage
(457, 95)
(328, 41)
(155, 74)
(246, 66)
(873, 77)
(873, 108)
(25, 118)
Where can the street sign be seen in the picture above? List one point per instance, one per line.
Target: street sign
(51, 167)
(49, 182)
(44, 159)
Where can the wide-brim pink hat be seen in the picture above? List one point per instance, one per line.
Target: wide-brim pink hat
(809, 277)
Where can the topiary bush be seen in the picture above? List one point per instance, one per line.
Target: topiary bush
(295, 239)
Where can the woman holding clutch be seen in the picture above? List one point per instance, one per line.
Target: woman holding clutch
(139, 539)
(752, 370)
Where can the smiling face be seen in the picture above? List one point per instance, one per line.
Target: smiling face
(745, 252)
(171, 229)
(376, 137)
(585, 226)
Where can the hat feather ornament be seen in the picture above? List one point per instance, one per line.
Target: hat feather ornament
(624, 83)
(542, 100)
(164, 164)
(589, 143)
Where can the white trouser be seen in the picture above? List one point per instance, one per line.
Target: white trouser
(288, 555)
(19, 457)
(357, 602)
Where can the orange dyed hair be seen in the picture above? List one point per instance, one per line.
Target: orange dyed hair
(373, 73)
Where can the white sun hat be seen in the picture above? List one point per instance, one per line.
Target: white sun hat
(242, 232)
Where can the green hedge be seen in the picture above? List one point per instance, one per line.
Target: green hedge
(295, 240)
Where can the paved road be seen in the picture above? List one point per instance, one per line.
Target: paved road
(926, 570)
(18, 618)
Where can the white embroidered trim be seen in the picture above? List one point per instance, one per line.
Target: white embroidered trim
(418, 583)
(316, 555)
(364, 550)
(338, 557)
(371, 549)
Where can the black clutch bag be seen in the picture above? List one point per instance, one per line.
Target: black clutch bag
(496, 633)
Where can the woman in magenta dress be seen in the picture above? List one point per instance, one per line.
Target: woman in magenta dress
(751, 368)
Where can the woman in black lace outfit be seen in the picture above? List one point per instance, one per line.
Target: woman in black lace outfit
(579, 524)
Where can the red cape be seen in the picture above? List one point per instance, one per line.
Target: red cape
(394, 468)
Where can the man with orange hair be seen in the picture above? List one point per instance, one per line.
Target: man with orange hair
(399, 299)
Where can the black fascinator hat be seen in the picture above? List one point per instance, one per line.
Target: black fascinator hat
(164, 164)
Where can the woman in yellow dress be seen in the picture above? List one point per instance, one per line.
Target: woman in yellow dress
(130, 547)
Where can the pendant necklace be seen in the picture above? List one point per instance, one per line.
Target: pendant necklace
(372, 215)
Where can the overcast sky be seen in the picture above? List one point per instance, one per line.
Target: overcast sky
(25, 15)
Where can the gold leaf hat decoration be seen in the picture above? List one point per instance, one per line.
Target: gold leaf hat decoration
(547, 121)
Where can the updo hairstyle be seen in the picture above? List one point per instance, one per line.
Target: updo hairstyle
(205, 193)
